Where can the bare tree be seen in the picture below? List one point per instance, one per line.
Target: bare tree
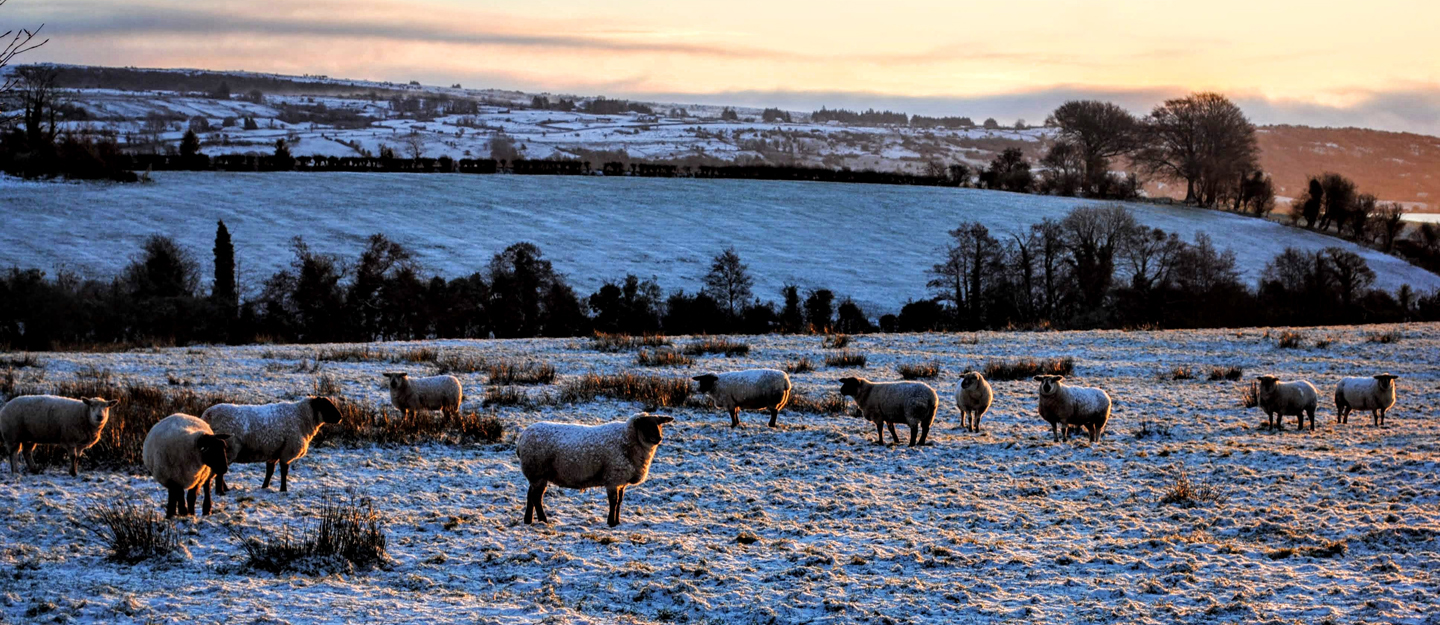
(1388, 223)
(1203, 139)
(15, 43)
(39, 100)
(729, 281)
(414, 144)
(1100, 130)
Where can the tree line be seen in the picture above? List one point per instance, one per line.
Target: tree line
(1096, 268)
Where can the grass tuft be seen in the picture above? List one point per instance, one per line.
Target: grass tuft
(1290, 339)
(23, 361)
(455, 362)
(846, 360)
(716, 345)
(1249, 396)
(348, 535)
(1188, 493)
(1393, 336)
(602, 342)
(1027, 368)
(651, 391)
(132, 534)
(803, 365)
(663, 358)
(836, 341)
(1178, 372)
(1231, 373)
(919, 371)
(518, 372)
(827, 404)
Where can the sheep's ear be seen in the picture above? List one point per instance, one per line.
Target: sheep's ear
(223, 437)
(1058, 378)
(111, 403)
(1386, 376)
(663, 420)
(1040, 378)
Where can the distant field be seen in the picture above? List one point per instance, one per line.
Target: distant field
(870, 242)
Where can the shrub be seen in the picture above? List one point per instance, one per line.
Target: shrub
(846, 359)
(1290, 339)
(515, 372)
(663, 358)
(132, 534)
(919, 371)
(1028, 367)
(602, 342)
(803, 365)
(716, 345)
(1393, 336)
(1231, 373)
(348, 535)
(1188, 493)
(836, 341)
(651, 391)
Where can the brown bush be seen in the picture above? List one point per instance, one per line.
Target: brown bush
(651, 391)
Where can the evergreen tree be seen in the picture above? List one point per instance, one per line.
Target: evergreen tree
(189, 145)
(729, 281)
(224, 292)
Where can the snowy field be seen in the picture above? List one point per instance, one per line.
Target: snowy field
(1000, 526)
(871, 242)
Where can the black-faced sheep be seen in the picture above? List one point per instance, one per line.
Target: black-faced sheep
(1066, 407)
(182, 454)
(888, 403)
(270, 433)
(1375, 393)
(754, 389)
(33, 420)
(1281, 399)
(973, 396)
(437, 392)
(614, 455)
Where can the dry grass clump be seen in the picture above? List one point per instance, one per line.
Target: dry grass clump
(1249, 396)
(1188, 493)
(349, 535)
(919, 370)
(716, 345)
(1178, 372)
(1028, 367)
(651, 391)
(827, 404)
(366, 353)
(363, 422)
(602, 342)
(836, 341)
(1393, 336)
(520, 372)
(132, 534)
(1290, 339)
(456, 362)
(1231, 373)
(663, 358)
(22, 361)
(803, 365)
(1331, 549)
(325, 385)
(506, 396)
(846, 360)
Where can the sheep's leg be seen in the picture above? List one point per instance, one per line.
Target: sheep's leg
(1382, 417)
(284, 476)
(13, 451)
(1055, 431)
(894, 438)
(614, 496)
(774, 414)
(269, 471)
(975, 420)
(734, 417)
(206, 506)
(1312, 420)
(924, 433)
(220, 485)
(30, 463)
(74, 462)
(532, 501)
(190, 496)
(540, 503)
(172, 502)
(619, 502)
(880, 430)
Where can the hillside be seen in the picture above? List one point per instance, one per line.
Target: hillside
(870, 242)
(1394, 166)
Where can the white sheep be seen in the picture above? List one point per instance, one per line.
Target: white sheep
(888, 403)
(1375, 393)
(436, 392)
(33, 420)
(270, 433)
(973, 396)
(753, 389)
(1066, 407)
(1281, 399)
(614, 455)
(182, 454)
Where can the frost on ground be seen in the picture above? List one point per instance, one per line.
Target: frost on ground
(812, 522)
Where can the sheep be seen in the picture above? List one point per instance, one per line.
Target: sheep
(888, 403)
(613, 455)
(1375, 393)
(754, 389)
(49, 420)
(973, 396)
(437, 392)
(1280, 399)
(1070, 407)
(182, 454)
(270, 433)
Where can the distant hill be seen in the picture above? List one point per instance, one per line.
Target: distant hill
(1394, 166)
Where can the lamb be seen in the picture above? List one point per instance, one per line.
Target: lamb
(1375, 393)
(754, 389)
(270, 433)
(49, 420)
(973, 396)
(437, 392)
(182, 454)
(614, 455)
(888, 403)
(1280, 399)
(1068, 407)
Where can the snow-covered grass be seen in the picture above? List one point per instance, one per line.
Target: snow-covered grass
(811, 521)
(870, 242)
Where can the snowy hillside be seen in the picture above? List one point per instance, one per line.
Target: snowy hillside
(811, 522)
(870, 242)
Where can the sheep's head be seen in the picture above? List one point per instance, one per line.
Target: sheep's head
(397, 381)
(707, 382)
(1386, 380)
(213, 450)
(97, 410)
(1268, 382)
(648, 427)
(849, 386)
(325, 409)
(1049, 384)
(971, 379)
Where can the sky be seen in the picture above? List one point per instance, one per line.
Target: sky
(1374, 64)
